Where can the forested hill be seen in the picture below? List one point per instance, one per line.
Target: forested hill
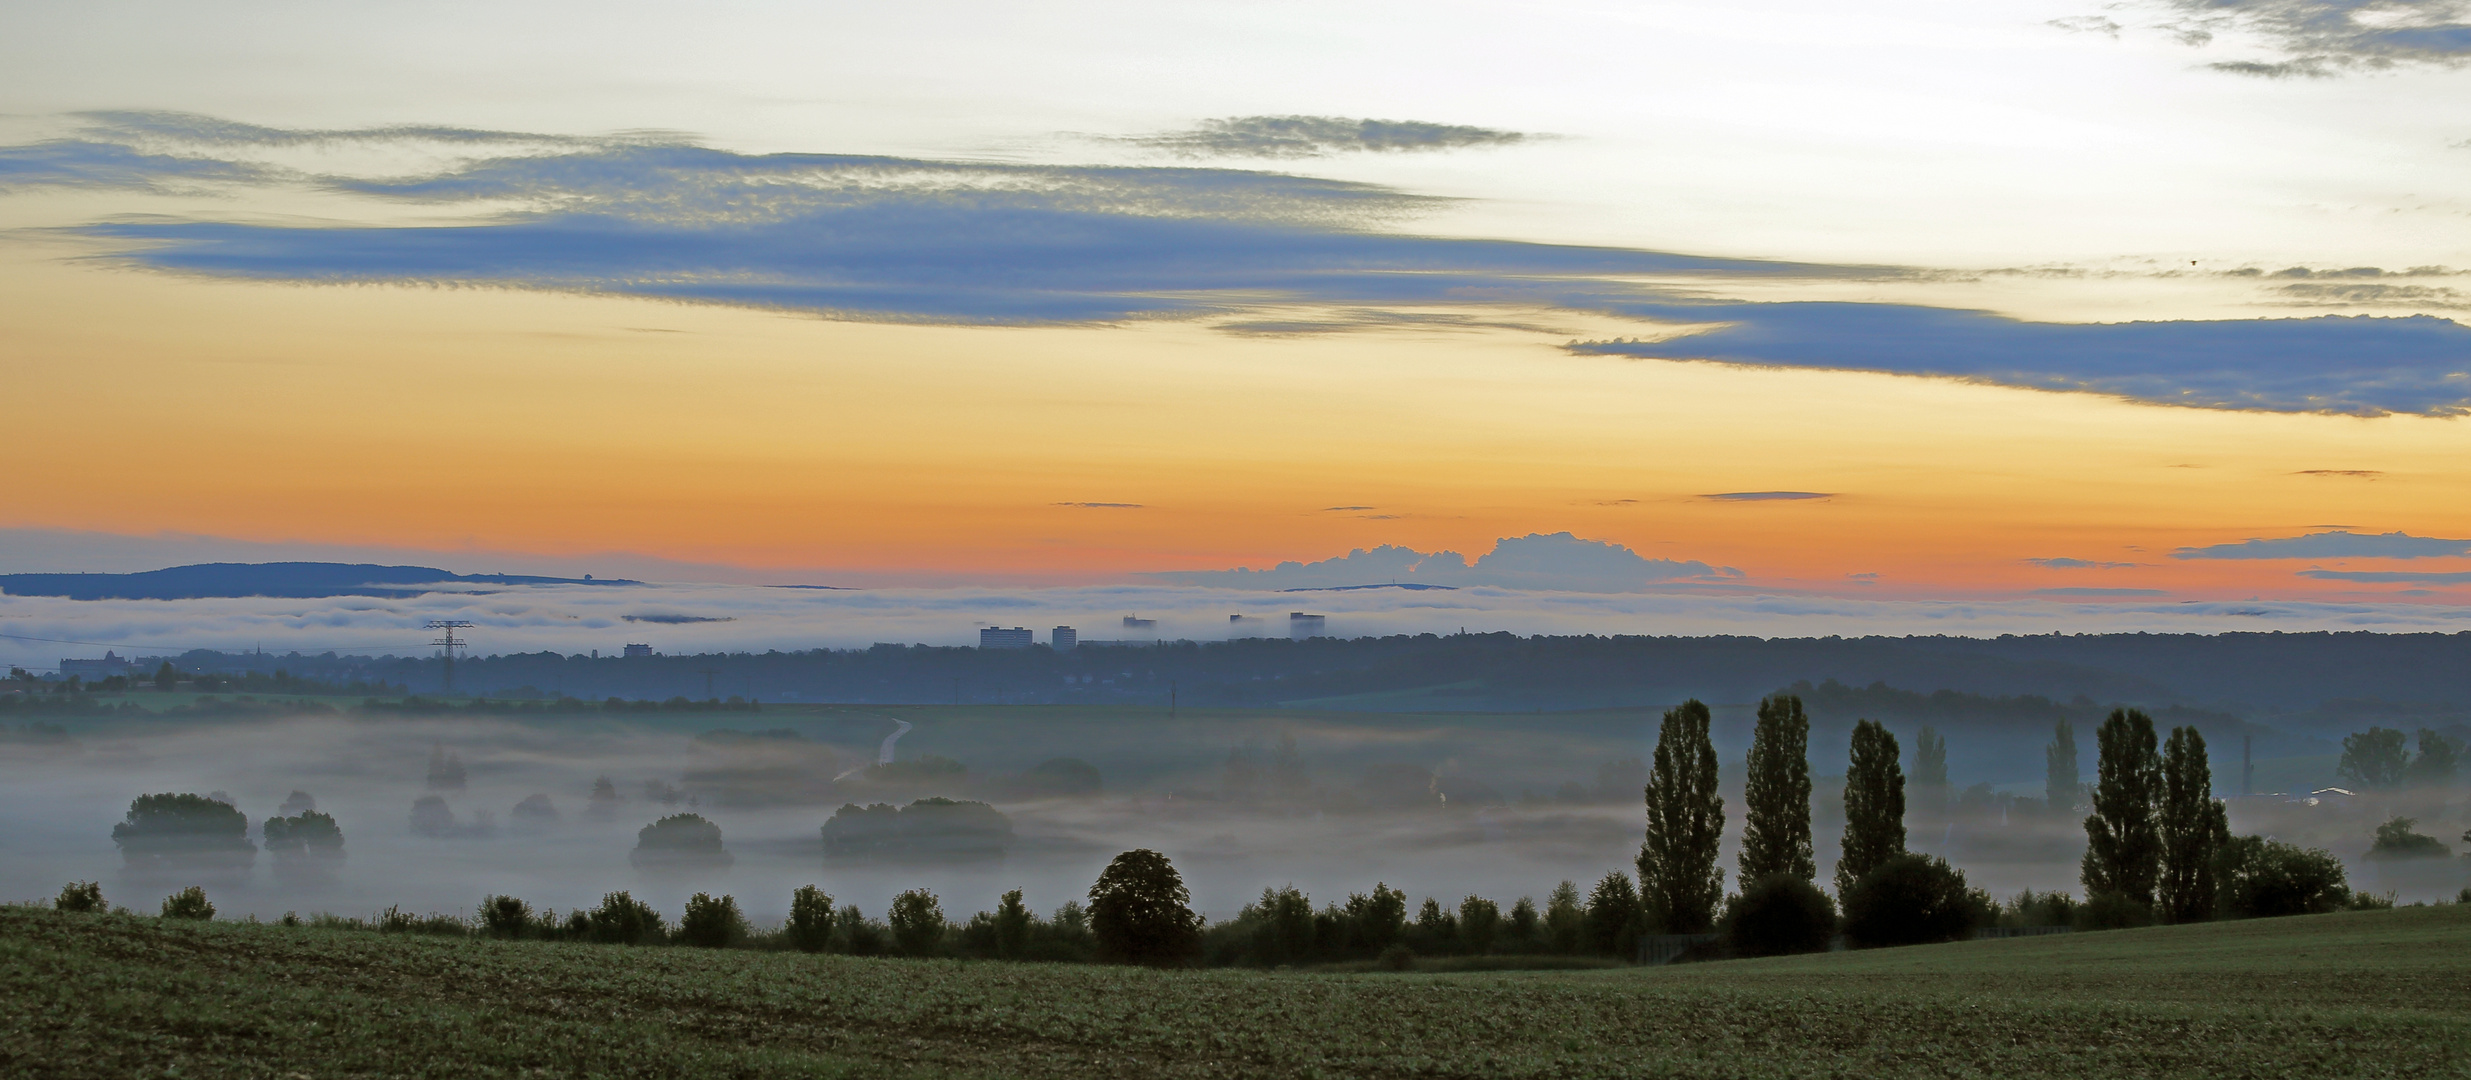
(2249, 674)
(282, 579)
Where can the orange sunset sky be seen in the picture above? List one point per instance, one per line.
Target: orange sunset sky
(497, 320)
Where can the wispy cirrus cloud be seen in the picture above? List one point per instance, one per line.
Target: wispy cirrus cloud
(2064, 563)
(1557, 562)
(2332, 363)
(1768, 496)
(2388, 577)
(1319, 136)
(2338, 544)
(903, 239)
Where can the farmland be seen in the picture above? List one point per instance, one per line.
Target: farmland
(2353, 994)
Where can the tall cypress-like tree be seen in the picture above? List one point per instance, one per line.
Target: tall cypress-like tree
(1776, 802)
(2193, 828)
(1679, 883)
(2061, 784)
(1874, 805)
(2123, 844)
(1927, 804)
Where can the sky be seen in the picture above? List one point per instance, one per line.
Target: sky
(2088, 310)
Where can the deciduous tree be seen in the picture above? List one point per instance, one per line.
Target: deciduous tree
(2374, 759)
(1139, 911)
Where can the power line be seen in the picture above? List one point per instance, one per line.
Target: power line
(450, 626)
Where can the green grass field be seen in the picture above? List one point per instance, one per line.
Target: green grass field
(2358, 994)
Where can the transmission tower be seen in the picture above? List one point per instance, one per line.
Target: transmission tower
(708, 673)
(450, 644)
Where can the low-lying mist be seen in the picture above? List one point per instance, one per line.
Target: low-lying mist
(437, 812)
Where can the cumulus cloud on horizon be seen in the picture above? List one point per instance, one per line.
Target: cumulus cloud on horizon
(901, 239)
(1559, 561)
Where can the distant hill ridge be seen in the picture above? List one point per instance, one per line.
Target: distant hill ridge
(295, 580)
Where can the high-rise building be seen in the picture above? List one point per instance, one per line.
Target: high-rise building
(638, 650)
(1063, 638)
(1301, 625)
(1001, 637)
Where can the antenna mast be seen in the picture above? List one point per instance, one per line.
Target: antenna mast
(450, 644)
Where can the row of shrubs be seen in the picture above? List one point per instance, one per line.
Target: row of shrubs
(1909, 899)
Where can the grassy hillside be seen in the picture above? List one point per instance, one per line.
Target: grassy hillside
(2361, 994)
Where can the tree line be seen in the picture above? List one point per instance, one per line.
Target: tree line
(2158, 848)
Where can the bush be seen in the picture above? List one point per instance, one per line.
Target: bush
(810, 920)
(80, 896)
(395, 920)
(917, 920)
(1139, 911)
(188, 903)
(710, 923)
(1912, 900)
(1397, 958)
(2262, 878)
(1777, 915)
(2112, 911)
(623, 920)
(864, 936)
(2030, 908)
(504, 917)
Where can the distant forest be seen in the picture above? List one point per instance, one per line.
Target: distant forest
(2419, 677)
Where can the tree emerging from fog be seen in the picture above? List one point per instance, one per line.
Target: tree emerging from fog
(1776, 801)
(2193, 826)
(2123, 849)
(1141, 913)
(2062, 784)
(1679, 882)
(184, 827)
(1874, 805)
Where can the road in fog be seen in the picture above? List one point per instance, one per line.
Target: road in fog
(883, 755)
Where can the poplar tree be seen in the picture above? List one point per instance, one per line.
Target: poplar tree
(2061, 784)
(1874, 805)
(2123, 845)
(1929, 802)
(1776, 802)
(1679, 883)
(2193, 828)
